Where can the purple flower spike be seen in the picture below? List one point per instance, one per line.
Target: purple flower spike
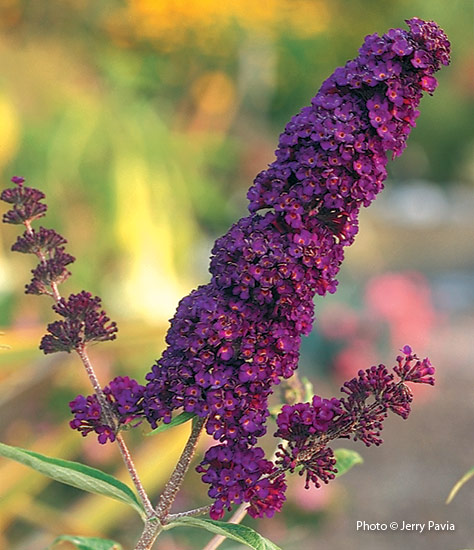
(233, 339)
(84, 322)
(411, 369)
(308, 428)
(26, 203)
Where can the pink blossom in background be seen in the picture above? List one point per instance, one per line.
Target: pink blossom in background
(309, 501)
(404, 301)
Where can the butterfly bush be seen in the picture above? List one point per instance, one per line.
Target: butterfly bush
(233, 340)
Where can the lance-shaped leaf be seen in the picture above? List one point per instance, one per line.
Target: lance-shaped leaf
(346, 459)
(176, 421)
(240, 533)
(75, 474)
(307, 388)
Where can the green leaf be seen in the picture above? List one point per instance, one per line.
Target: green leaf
(176, 421)
(465, 478)
(275, 411)
(346, 459)
(308, 389)
(240, 533)
(75, 474)
(88, 543)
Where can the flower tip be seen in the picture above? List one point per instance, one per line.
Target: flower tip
(429, 84)
(18, 180)
(406, 350)
(216, 514)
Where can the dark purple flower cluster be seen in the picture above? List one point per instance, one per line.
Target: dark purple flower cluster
(266, 497)
(83, 322)
(36, 242)
(308, 428)
(235, 475)
(27, 205)
(302, 420)
(233, 339)
(331, 156)
(125, 399)
(88, 418)
(411, 369)
(46, 244)
(375, 382)
(302, 426)
(51, 270)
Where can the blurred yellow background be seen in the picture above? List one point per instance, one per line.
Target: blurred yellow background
(144, 122)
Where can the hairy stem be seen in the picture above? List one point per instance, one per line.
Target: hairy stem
(189, 514)
(152, 525)
(127, 459)
(150, 512)
(82, 352)
(150, 533)
(172, 487)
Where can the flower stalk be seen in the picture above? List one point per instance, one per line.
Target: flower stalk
(127, 459)
(150, 533)
(172, 487)
(82, 320)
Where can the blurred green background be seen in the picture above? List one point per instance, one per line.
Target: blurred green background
(144, 122)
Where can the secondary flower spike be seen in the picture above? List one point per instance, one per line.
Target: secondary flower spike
(308, 428)
(83, 319)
